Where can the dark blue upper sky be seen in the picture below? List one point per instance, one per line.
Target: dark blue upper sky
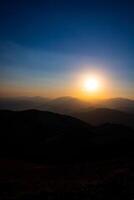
(69, 25)
(45, 37)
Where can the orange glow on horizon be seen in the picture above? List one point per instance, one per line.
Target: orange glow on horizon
(85, 86)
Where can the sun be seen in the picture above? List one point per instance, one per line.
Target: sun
(92, 84)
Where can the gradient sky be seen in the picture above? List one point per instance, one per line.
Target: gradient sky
(47, 47)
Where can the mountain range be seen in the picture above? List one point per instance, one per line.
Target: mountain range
(100, 116)
(117, 110)
(47, 136)
(64, 104)
(122, 104)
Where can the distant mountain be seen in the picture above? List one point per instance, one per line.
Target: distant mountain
(64, 105)
(22, 103)
(45, 136)
(103, 115)
(121, 104)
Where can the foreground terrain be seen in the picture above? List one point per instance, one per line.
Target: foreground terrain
(45, 155)
(105, 180)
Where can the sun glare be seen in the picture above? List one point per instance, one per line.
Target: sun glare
(92, 84)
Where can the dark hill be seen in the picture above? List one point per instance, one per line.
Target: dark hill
(22, 103)
(31, 132)
(47, 136)
(103, 115)
(122, 104)
(64, 105)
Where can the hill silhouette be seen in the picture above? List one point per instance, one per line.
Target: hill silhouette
(104, 115)
(22, 103)
(44, 155)
(30, 132)
(66, 104)
(122, 104)
(47, 136)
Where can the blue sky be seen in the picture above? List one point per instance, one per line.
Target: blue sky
(45, 44)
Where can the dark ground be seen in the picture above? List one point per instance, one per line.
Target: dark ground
(109, 180)
(47, 156)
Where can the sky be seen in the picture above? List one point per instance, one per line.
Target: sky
(48, 47)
